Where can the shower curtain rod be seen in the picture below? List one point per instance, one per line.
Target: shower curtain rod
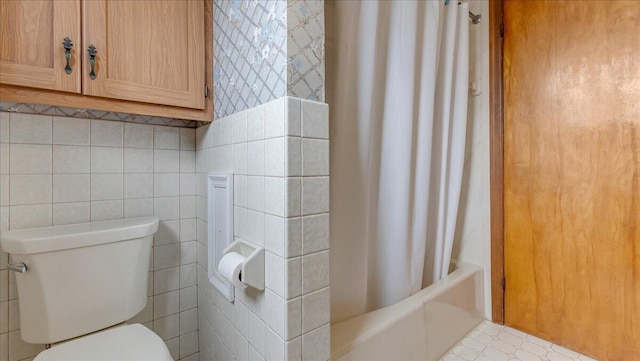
(475, 19)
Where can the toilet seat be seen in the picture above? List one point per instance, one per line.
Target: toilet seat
(126, 343)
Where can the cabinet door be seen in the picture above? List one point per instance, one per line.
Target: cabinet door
(147, 51)
(31, 44)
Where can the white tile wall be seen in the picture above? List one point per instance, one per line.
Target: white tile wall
(56, 170)
(279, 153)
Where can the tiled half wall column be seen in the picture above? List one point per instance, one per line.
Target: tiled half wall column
(279, 154)
(60, 170)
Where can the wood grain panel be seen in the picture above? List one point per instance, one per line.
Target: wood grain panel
(148, 51)
(31, 51)
(497, 162)
(572, 173)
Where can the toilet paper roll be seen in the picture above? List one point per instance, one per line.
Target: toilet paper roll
(230, 268)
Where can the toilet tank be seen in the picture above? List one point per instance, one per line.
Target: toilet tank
(80, 278)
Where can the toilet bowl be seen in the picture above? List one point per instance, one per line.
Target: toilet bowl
(77, 285)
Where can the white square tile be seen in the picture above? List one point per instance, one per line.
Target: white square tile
(226, 130)
(188, 298)
(30, 159)
(168, 232)
(187, 230)
(202, 136)
(166, 208)
(187, 161)
(293, 317)
(70, 213)
(174, 347)
(293, 284)
(106, 210)
(255, 123)
(71, 159)
(274, 317)
(188, 321)
(201, 208)
(255, 227)
(4, 190)
(293, 161)
(71, 131)
(241, 319)
(293, 237)
(293, 349)
(293, 197)
(30, 128)
(240, 222)
(256, 332)
(274, 157)
(107, 160)
(188, 252)
(107, 133)
(274, 118)
(167, 327)
(166, 161)
(4, 158)
(315, 120)
(315, 310)
(187, 139)
(239, 127)
(255, 193)
(166, 280)
(315, 271)
(4, 317)
(273, 345)
(188, 206)
(107, 187)
(240, 158)
(14, 315)
(4, 127)
(29, 189)
(315, 233)
(188, 344)
(19, 349)
(166, 137)
(138, 160)
(188, 184)
(188, 275)
(254, 355)
(71, 188)
(293, 116)
(274, 234)
(274, 189)
(255, 158)
(241, 347)
(315, 157)
(30, 216)
(316, 345)
(138, 185)
(274, 273)
(166, 185)
(240, 190)
(139, 207)
(166, 256)
(138, 135)
(315, 195)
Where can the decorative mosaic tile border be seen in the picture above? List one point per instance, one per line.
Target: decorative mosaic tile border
(94, 114)
(306, 49)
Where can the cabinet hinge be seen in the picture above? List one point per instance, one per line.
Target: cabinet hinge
(206, 91)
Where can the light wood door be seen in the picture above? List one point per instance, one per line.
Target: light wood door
(31, 37)
(147, 51)
(572, 173)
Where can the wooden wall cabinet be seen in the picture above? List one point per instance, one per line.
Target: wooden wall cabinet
(151, 57)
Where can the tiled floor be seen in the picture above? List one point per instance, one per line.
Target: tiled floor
(491, 342)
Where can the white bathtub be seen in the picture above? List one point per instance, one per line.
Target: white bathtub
(422, 327)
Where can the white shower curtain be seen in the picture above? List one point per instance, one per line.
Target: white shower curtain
(398, 122)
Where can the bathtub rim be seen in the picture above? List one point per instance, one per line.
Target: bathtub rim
(371, 323)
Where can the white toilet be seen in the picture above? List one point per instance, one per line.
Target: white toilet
(80, 283)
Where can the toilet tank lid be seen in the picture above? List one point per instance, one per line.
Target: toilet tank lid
(57, 238)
